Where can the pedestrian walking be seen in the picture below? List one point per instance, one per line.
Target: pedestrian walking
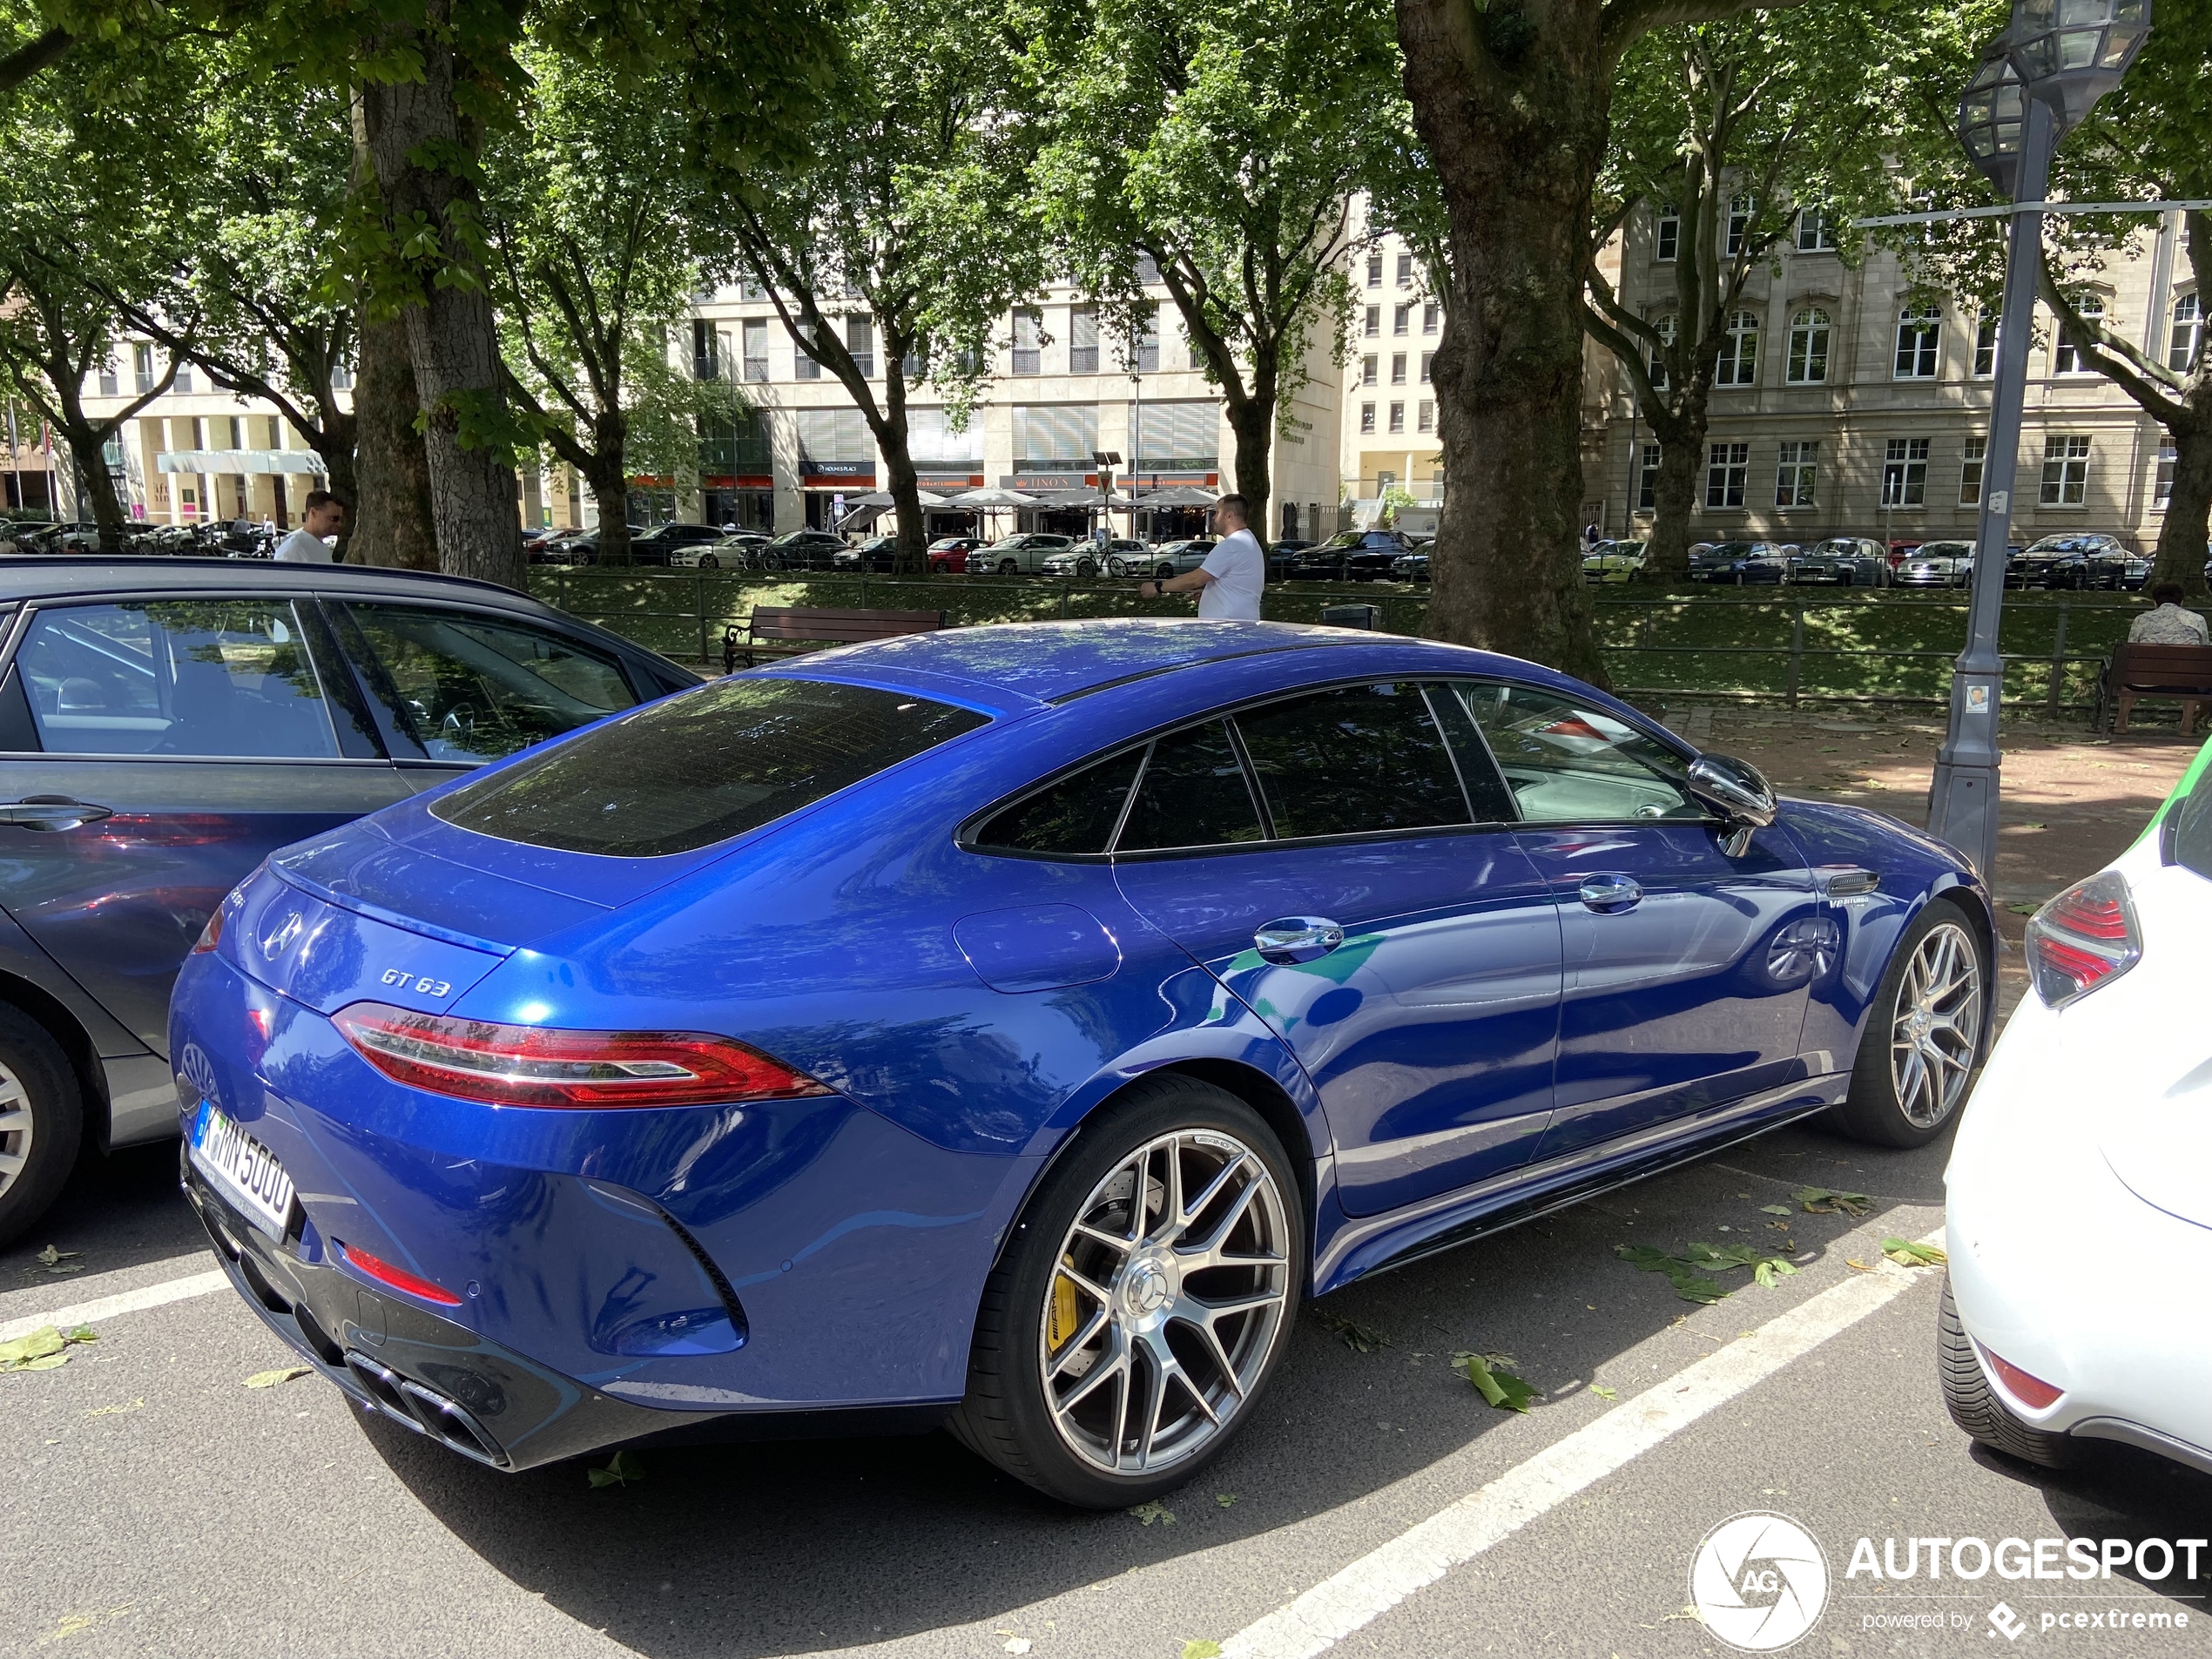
(2170, 623)
(325, 516)
(1229, 583)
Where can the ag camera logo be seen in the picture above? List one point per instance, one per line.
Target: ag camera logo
(1759, 1582)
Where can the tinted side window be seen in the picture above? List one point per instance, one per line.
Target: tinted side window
(703, 766)
(461, 686)
(1566, 764)
(1353, 761)
(182, 677)
(1193, 793)
(1078, 814)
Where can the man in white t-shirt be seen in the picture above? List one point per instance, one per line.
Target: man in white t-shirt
(1228, 585)
(325, 516)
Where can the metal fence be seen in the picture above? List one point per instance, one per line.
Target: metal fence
(1846, 646)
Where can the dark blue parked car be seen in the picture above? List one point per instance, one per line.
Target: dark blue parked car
(165, 723)
(1011, 1026)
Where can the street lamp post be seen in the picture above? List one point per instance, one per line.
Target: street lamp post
(2035, 81)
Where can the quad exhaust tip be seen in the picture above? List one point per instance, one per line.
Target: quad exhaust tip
(425, 1410)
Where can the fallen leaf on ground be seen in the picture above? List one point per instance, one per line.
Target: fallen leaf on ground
(117, 1411)
(1604, 1392)
(1775, 1209)
(1907, 1253)
(1499, 1387)
(1856, 1266)
(2023, 909)
(1017, 1644)
(621, 1470)
(281, 1374)
(1200, 1649)
(1824, 1201)
(1226, 1499)
(58, 1261)
(1360, 1339)
(1146, 1514)
(43, 1349)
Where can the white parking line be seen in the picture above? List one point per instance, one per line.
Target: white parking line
(107, 1307)
(1423, 1553)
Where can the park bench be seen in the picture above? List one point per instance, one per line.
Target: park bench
(2180, 672)
(791, 630)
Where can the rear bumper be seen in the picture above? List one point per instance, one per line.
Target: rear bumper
(389, 1357)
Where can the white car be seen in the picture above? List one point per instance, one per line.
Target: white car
(1024, 554)
(2081, 1184)
(1170, 559)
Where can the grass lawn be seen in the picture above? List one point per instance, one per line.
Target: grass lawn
(1893, 643)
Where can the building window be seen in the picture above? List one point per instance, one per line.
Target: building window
(1082, 340)
(1809, 347)
(1366, 417)
(1367, 369)
(706, 354)
(1427, 416)
(1398, 369)
(2162, 482)
(1028, 341)
(803, 366)
(1664, 328)
(1647, 477)
(1398, 417)
(2187, 336)
(1816, 231)
(183, 383)
(1904, 472)
(1430, 314)
(755, 349)
(1374, 270)
(341, 377)
(1401, 320)
(1148, 270)
(1374, 322)
(1728, 468)
(1793, 475)
(1739, 223)
(1739, 359)
(1986, 345)
(111, 383)
(142, 366)
(860, 341)
(1145, 357)
(1969, 466)
(1428, 364)
(1666, 234)
(2066, 471)
(1920, 331)
(2069, 360)
(1405, 270)
(751, 288)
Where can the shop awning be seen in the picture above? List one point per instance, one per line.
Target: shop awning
(302, 462)
(862, 516)
(1177, 495)
(884, 498)
(1078, 498)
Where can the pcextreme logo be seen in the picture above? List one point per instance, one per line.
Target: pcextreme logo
(1759, 1582)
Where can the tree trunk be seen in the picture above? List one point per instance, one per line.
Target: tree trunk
(607, 471)
(892, 436)
(1252, 424)
(1673, 497)
(1516, 126)
(334, 441)
(391, 504)
(88, 448)
(2188, 509)
(450, 331)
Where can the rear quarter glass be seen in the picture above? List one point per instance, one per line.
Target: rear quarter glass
(703, 766)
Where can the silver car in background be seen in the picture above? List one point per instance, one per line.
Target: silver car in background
(1937, 564)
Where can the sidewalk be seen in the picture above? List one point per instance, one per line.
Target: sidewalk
(2073, 801)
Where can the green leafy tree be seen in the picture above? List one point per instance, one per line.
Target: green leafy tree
(1733, 127)
(599, 230)
(893, 247)
(1512, 99)
(1221, 141)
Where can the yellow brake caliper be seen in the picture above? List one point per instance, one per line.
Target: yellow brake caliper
(1064, 1318)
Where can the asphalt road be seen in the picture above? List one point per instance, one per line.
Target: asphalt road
(158, 1505)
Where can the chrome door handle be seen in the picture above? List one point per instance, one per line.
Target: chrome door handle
(1610, 893)
(1298, 939)
(50, 813)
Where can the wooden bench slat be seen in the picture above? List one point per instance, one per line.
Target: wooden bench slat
(2180, 672)
(820, 625)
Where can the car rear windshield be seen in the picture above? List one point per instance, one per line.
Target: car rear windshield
(703, 766)
(2187, 829)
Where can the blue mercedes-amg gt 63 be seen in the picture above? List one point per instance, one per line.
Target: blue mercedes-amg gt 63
(1010, 1027)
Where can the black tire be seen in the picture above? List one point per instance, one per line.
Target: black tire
(1977, 1408)
(1163, 572)
(1007, 1417)
(708, 562)
(1085, 569)
(1873, 1112)
(1008, 567)
(39, 1083)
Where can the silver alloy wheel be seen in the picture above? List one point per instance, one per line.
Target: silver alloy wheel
(1937, 1025)
(15, 1128)
(1166, 1302)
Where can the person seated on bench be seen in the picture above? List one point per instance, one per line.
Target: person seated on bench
(2169, 623)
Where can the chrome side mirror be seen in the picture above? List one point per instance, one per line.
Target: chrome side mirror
(1738, 793)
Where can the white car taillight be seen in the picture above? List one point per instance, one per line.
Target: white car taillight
(2084, 938)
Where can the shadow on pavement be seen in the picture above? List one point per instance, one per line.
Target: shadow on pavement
(117, 1211)
(798, 1546)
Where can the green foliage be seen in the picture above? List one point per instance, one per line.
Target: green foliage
(1497, 1385)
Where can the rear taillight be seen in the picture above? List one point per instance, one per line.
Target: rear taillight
(209, 936)
(398, 1277)
(2082, 939)
(527, 1065)
(2031, 1390)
